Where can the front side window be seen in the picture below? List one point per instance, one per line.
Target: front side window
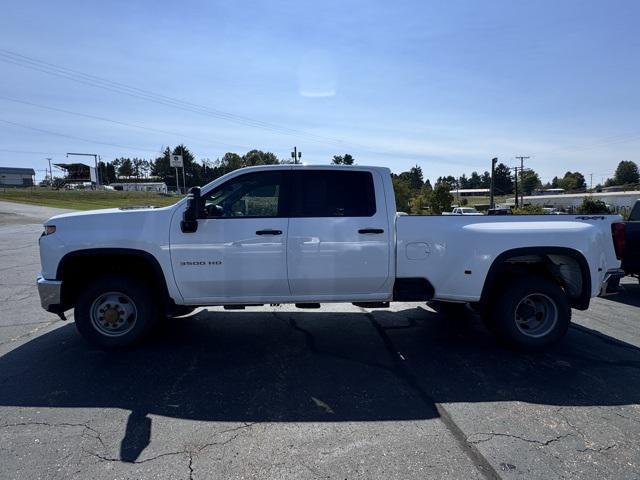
(251, 195)
(331, 193)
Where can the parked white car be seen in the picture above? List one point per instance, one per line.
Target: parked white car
(309, 234)
(463, 211)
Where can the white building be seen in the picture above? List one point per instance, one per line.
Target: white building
(571, 201)
(158, 187)
(471, 192)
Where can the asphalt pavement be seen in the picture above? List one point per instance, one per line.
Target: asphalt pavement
(340, 392)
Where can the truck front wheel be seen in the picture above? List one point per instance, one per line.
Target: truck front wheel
(115, 311)
(530, 313)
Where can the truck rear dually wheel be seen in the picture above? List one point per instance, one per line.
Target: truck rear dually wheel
(532, 313)
(115, 311)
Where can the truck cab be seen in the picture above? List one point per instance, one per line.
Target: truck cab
(270, 235)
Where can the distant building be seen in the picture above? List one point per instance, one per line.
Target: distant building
(471, 192)
(619, 201)
(550, 191)
(158, 187)
(75, 172)
(16, 177)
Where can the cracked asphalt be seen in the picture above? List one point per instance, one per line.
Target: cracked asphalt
(340, 392)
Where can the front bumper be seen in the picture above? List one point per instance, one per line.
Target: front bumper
(49, 291)
(611, 282)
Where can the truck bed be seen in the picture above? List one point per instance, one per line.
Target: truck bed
(455, 252)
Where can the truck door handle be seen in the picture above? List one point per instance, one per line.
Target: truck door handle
(269, 232)
(371, 230)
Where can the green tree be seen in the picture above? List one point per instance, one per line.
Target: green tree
(110, 172)
(592, 206)
(502, 182)
(125, 168)
(413, 178)
(161, 167)
(138, 164)
(529, 210)
(420, 201)
(463, 181)
(485, 180)
(573, 181)
(258, 157)
(345, 159)
(474, 180)
(440, 199)
(626, 173)
(427, 185)
(530, 182)
(402, 194)
(450, 181)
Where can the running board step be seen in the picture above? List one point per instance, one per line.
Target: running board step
(307, 305)
(240, 306)
(371, 304)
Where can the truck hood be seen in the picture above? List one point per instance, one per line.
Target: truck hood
(104, 214)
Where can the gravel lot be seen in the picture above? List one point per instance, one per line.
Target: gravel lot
(339, 392)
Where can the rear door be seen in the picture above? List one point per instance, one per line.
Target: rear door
(339, 241)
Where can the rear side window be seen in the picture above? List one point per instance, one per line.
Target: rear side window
(330, 193)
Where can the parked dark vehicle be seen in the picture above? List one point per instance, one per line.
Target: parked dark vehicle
(627, 241)
(498, 211)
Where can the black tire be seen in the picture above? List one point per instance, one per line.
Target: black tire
(531, 313)
(115, 311)
(450, 310)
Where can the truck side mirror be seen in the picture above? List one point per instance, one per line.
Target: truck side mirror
(190, 216)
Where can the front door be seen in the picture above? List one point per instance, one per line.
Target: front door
(339, 238)
(238, 253)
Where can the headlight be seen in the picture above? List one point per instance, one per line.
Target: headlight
(48, 230)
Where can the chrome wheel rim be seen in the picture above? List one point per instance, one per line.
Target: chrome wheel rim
(536, 315)
(113, 314)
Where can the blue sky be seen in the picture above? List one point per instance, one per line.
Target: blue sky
(445, 85)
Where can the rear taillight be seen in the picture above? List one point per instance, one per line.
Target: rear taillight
(618, 230)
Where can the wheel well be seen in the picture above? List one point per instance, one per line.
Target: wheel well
(567, 267)
(77, 269)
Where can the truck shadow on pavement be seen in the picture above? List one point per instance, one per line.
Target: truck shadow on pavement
(312, 367)
(629, 295)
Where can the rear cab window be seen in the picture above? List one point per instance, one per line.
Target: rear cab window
(331, 193)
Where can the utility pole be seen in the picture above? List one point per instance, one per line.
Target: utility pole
(184, 184)
(50, 173)
(522, 159)
(296, 155)
(591, 181)
(516, 179)
(493, 169)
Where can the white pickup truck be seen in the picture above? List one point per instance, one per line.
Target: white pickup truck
(311, 234)
(463, 211)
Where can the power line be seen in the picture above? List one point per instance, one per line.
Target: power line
(106, 84)
(30, 152)
(125, 124)
(73, 137)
